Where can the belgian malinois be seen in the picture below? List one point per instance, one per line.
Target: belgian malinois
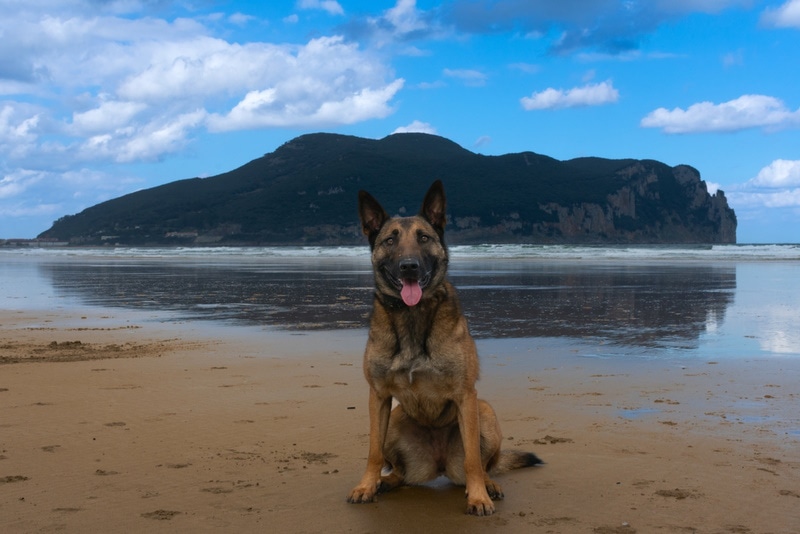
(420, 353)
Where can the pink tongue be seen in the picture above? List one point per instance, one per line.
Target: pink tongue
(411, 292)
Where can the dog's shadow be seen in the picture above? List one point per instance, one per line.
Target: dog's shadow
(438, 506)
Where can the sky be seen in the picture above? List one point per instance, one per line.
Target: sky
(100, 98)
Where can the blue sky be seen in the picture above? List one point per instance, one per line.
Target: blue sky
(102, 98)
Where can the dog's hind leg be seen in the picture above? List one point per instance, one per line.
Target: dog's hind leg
(391, 480)
(410, 452)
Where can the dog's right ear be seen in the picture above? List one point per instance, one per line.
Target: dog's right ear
(372, 215)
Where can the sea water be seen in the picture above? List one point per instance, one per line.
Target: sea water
(720, 301)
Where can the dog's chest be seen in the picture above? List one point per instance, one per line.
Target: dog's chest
(424, 388)
(404, 371)
(410, 373)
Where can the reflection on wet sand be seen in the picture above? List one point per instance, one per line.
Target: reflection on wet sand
(641, 306)
(650, 305)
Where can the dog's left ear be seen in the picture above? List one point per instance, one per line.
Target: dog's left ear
(372, 216)
(433, 207)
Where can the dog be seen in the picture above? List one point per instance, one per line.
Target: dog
(420, 353)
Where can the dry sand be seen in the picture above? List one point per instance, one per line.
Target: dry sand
(108, 425)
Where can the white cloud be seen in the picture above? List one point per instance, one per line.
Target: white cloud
(262, 109)
(15, 127)
(786, 15)
(405, 17)
(733, 59)
(109, 115)
(160, 137)
(789, 198)
(145, 142)
(35, 210)
(775, 186)
(240, 19)
(588, 95)
(197, 67)
(438, 84)
(44, 194)
(482, 141)
(779, 173)
(398, 24)
(471, 77)
(331, 6)
(17, 182)
(326, 82)
(416, 127)
(528, 68)
(747, 111)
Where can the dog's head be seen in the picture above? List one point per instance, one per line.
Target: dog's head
(409, 255)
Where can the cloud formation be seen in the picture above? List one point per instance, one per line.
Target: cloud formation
(779, 173)
(775, 186)
(126, 90)
(595, 94)
(471, 77)
(607, 26)
(416, 127)
(331, 6)
(747, 111)
(786, 15)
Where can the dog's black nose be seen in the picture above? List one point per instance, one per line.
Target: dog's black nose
(409, 267)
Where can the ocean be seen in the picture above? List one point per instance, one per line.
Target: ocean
(708, 302)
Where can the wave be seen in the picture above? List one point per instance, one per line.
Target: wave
(654, 253)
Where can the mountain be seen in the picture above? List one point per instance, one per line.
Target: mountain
(305, 193)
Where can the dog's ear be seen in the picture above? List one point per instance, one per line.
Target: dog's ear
(433, 207)
(372, 215)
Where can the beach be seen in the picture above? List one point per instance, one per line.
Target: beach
(126, 419)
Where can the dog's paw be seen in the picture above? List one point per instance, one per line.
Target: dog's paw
(363, 494)
(494, 490)
(480, 507)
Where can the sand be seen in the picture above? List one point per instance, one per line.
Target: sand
(109, 424)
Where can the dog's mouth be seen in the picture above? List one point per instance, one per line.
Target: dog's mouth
(410, 288)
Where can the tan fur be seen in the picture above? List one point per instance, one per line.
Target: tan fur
(424, 357)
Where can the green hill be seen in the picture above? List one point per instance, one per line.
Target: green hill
(305, 193)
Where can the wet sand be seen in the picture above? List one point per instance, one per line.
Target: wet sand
(112, 424)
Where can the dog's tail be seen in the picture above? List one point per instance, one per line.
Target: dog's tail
(512, 459)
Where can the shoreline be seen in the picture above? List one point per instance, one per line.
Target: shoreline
(187, 427)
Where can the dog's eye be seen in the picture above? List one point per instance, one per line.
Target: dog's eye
(423, 238)
(389, 241)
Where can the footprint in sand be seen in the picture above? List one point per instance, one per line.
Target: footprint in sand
(217, 490)
(104, 473)
(177, 466)
(161, 515)
(12, 478)
(679, 494)
(622, 529)
(551, 440)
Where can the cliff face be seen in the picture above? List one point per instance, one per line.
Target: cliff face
(706, 219)
(305, 193)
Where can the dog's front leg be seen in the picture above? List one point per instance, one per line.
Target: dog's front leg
(379, 410)
(478, 501)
